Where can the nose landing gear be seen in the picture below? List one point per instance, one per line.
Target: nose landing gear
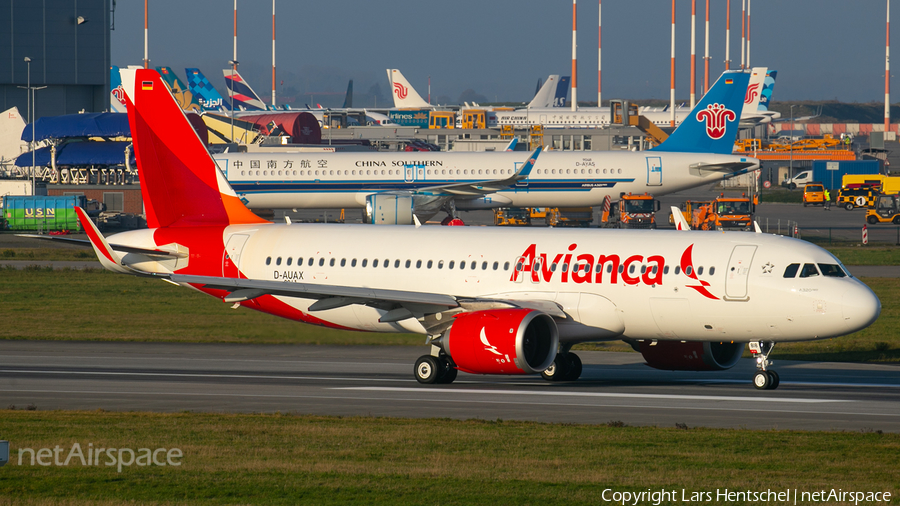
(763, 379)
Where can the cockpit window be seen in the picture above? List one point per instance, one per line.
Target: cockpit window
(832, 270)
(809, 270)
(791, 270)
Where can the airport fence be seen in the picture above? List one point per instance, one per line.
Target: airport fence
(882, 235)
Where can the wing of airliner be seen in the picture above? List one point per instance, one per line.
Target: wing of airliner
(478, 188)
(402, 304)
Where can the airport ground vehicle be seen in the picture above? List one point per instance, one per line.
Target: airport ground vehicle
(879, 182)
(570, 216)
(852, 198)
(724, 213)
(634, 211)
(514, 216)
(687, 210)
(886, 210)
(814, 194)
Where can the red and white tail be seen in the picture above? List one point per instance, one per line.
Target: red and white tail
(180, 182)
(404, 94)
(680, 222)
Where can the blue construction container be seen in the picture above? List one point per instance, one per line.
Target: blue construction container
(830, 173)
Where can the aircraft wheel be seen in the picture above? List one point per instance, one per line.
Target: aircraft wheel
(773, 377)
(574, 367)
(848, 206)
(761, 380)
(450, 372)
(428, 369)
(558, 370)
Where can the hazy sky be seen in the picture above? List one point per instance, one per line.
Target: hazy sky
(822, 49)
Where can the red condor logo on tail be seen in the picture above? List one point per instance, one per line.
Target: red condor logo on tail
(400, 91)
(717, 118)
(751, 93)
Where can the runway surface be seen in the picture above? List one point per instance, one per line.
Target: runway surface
(378, 381)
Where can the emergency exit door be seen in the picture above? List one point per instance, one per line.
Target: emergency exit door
(654, 171)
(737, 274)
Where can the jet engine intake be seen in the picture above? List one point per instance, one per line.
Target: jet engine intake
(502, 341)
(692, 355)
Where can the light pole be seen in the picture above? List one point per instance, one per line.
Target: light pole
(791, 169)
(30, 96)
(234, 64)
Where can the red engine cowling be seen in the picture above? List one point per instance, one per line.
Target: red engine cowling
(692, 355)
(502, 341)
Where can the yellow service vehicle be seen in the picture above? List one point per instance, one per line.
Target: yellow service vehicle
(852, 198)
(512, 216)
(886, 210)
(570, 216)
(814, 193)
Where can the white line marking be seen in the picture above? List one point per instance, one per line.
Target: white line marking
(556, 393)
(197, 375)
(444, 401)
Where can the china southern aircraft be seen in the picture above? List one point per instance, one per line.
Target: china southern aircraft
(423, 183)
(491, 301)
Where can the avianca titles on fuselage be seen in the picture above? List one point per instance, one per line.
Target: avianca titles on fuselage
(493, 301)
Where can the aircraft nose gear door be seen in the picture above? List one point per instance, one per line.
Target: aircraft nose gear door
(738, 273)
(231, 262)
(654, 171)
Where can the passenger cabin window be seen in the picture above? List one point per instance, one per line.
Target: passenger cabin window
(374, 263)
(321, 262)
(278, 261)
(809, 270)
(791, 270)
(268, 260)
(832, 270)
(310, 262)
(289, 259)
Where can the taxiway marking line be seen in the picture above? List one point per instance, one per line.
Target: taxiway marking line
(556, 393)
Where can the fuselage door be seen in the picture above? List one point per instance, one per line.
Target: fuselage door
(409, 174)
(654, 171)
(738, 272)
(231, 261)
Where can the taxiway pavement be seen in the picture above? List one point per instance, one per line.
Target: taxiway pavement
(378, 381)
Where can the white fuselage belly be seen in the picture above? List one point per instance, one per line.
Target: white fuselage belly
(748, 270)
(344, 180)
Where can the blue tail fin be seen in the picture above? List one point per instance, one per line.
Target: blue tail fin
(183, 96)
(562, 92)
(768, 86)
(210, 99)
(712, 126)
(241, 94)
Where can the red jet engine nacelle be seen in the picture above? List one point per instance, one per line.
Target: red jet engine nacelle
(502, 341)
(692, 355)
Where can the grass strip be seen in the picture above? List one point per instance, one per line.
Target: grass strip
(287, 459)
(40, 303)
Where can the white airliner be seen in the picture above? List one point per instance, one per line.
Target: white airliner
(552, 94)
(491, 301)
(423, 183)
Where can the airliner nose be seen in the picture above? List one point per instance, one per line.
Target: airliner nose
(861, 306)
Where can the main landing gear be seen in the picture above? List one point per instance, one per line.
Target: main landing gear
(763, 379)
(565, 367)
(430, 369)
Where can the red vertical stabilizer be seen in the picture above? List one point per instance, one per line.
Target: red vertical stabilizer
(180, 183)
